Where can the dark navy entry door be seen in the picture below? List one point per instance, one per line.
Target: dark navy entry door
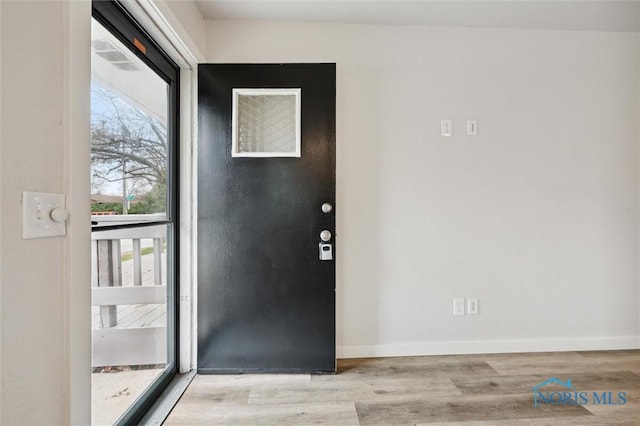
(266, 300)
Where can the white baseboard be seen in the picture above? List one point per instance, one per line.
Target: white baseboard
(488, 347)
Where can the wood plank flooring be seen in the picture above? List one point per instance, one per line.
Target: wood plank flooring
(134, 316)
(435, 390)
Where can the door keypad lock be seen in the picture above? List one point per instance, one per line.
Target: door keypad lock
(325, 247)
(326, 251)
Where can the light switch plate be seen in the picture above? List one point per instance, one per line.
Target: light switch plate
(446, 127)
(36, 215)
(458, 307)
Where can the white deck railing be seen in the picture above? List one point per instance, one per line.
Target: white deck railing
(138, 340)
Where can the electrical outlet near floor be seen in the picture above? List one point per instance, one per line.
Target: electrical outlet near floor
(458, 307)
(472, 306)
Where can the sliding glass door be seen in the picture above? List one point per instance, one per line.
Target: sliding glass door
(134, 98)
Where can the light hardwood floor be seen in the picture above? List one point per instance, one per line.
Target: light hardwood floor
(453, 390)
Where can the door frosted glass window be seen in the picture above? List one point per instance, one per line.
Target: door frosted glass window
(266, 123)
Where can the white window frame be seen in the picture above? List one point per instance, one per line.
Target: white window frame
(151, 15)
(236, 93)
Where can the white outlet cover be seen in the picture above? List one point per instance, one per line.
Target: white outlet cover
(36, 215)
(472, 306)
(472, 127)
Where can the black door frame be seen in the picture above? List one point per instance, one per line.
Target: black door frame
(124, 27)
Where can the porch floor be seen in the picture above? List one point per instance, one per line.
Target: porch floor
(115, 388)
(134, 316)
(113, 392)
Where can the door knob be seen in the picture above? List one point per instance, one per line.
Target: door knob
(325, 235)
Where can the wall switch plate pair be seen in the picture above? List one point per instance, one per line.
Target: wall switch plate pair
(459, 308)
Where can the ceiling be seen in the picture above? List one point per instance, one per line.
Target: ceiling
(540, 14)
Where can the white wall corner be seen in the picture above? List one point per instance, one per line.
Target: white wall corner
(77, 259)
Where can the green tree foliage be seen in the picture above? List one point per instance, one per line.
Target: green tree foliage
(106, 207)
(154, 201)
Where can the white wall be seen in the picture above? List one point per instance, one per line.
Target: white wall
(537, 216)
(32, 159)
(45, 303)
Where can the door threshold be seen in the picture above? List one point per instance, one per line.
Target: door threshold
(163, 406)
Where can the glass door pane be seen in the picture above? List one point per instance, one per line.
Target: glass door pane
(132, 240)
(129, 150)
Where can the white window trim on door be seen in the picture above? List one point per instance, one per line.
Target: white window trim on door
(235, 122)
(77, 368)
